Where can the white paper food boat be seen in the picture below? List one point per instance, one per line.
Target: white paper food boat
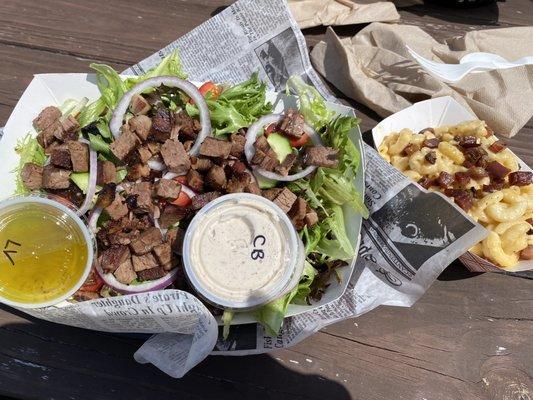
(54, 89)
(432, 113)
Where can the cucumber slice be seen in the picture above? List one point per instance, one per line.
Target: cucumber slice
(281, 145)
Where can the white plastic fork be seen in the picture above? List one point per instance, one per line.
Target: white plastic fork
(471, 63)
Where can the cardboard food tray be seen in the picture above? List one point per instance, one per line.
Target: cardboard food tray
(432, 113)
(54, 89)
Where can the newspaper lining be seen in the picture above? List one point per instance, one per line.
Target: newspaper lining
(403, 249)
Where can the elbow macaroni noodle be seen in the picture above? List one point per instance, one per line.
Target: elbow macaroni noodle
(506, 213)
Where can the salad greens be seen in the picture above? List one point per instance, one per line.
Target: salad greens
(237, 107)
(327, 243)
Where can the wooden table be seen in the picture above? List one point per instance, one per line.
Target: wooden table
(468, 338)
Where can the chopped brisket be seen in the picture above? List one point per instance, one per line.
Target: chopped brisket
(168, 189)
(477, 173)
(271, 194)
(125, 273)
(46, 118)
(293, 124)
(253, 188)
(146, 261)
(215, 178)
(84, 295)
(238, 183)
(494, 185)
(162, 123)
(311, 218)
(497, 146)
(462, 178)
(143, 194)
(106, 195)
(297, 213)
(175, 238)
(139, 105)
(410, 149)
(144, 154)
(235, 167)
(55, 178)
(497, 170)
(445, 179)
(201, 164)
(79, 156)
(432, 143)
(218, 148)
(125, 143)
(111, 258)
(472, 155)
(463, 198)
(285, 199)
(46, 138)
(60, 157)
(151, 274)
(154, 147)
(175, 157)
(322, 156)
(195, 180)
(163, 253)
(469, 141)
(69, 129)
(32, 176)
(426, 182)
(106, 173)
(237, 145)
(146, 241)
(117, 209)
(138, 171)
(140, 125)
(172, 214)
(431, 157)
(183, 126)
(72, 194)
(520, 178)
(261, 143)
(201, 200)
(284, 168)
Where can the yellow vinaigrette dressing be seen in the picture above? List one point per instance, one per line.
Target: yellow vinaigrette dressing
(44, 253)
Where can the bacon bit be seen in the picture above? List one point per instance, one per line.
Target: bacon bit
(445, 179)
(497, 146)
(410, 149)
(494, 186)
(469, 141)
(477, 173)
(432, 143)
(482, 162)
(431, 157)
(462, 178)
(520, 178)
(463, 198)
(473, 154)
(426, 130)
(425, 182)
(527, 253)
(497, 170)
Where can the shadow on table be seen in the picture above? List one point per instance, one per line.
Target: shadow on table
(44, 360)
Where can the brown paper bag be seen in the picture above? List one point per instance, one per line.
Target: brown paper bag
(374, 68)
(310, 13)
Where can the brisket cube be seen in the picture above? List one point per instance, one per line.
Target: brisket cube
(146, 241)
(184, 126)
(311, 218)
(271, 194)
(106, 173)
(201, 164)
(124, 144)
(168, 189)
(55, 178)
(200, 200)
(46, 138)
(162, 122)
(175, 157)
(238, 183)
(125, 273)
(171, 215)
(117, 209)
(298, 210)
(144, 154)
(253, 188)
(46, 117)
(261, 143)
(237, 145)
(140, 125)
(142, 193)
(138, 171)
(195, 181)
(139, 105)
(293, 124)
(79, 156)
(217, 148)
(151, 274)
(521, 178)
(285, 200)
(32, 176)
(216, 178)
(163, 253)
(69, 129)
(111, 258)
(284, 168)
(60, 157)
(154, 147)
(146, 261)
(321, 156)
(175, 238)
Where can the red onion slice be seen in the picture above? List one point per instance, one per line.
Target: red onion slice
(91, 187)
(256, 129)
(149, 286)
(170, 81)
(93, 219)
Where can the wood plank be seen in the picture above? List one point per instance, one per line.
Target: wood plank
(450, 345)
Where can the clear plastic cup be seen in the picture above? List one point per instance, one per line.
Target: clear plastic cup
(47, 251)
(241, 251)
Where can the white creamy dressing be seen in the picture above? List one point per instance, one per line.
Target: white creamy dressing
(240, 250)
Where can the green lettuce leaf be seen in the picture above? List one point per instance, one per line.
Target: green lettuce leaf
(237, 107)
(30, 151)
(311, 103)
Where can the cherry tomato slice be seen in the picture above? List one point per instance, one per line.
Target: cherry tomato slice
(93, 282)
(270, 129)
(211, 88)
(182, 200)
(299, 142)
(182, 179)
